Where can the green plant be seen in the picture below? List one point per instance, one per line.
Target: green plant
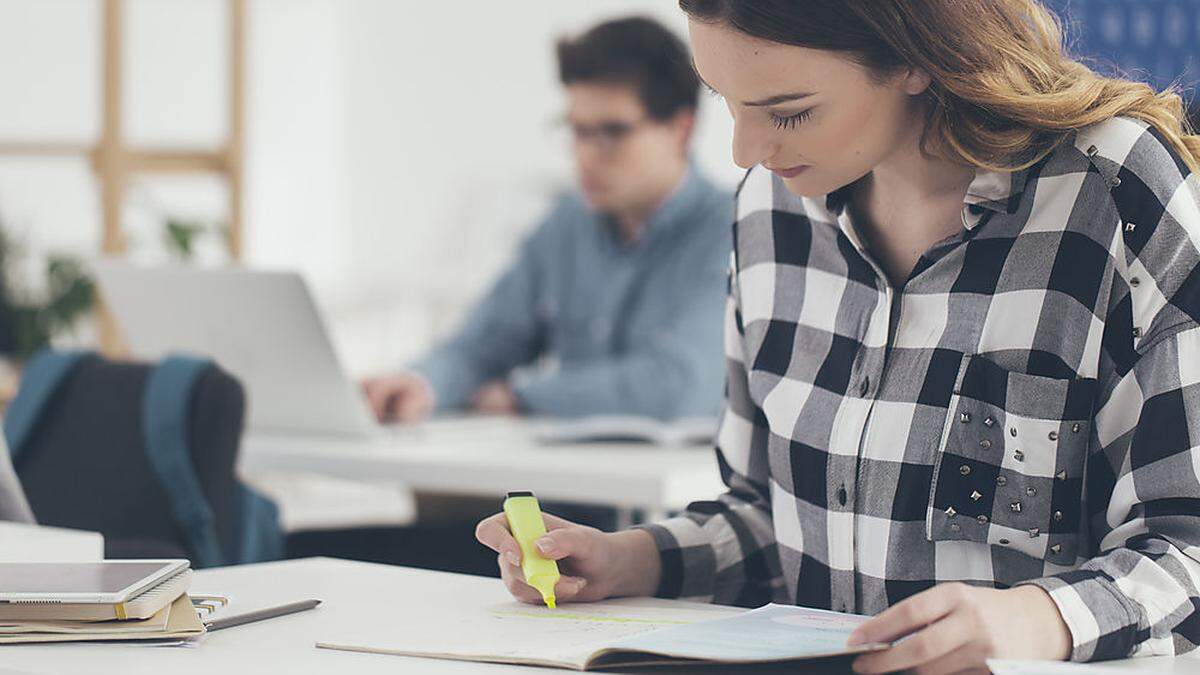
(181, 237)
(26, 323)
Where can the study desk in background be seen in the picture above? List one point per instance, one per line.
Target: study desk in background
(357, 597)
(486, 457)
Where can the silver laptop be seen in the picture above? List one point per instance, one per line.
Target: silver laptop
(261, 326)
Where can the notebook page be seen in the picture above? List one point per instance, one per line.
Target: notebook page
(518, 633)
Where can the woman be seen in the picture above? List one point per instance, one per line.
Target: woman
(961, 340)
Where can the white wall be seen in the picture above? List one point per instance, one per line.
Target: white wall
(396, 149)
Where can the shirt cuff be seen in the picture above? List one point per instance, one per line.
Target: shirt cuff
(1104, 623)
(451, 382)
(689, 565)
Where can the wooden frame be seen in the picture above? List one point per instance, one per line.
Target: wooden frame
(115, 162)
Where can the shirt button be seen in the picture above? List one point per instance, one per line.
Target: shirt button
(841, 495)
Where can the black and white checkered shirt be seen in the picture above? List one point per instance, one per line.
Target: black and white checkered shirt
(1026, 408)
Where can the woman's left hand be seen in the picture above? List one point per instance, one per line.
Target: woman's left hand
(954, 627)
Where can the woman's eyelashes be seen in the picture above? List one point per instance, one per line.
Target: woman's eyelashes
(791, 121)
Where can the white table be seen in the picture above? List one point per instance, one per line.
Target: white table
(490, 456)
(356, 595)
(37, 543)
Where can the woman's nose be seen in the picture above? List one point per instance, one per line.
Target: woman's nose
(750, 146)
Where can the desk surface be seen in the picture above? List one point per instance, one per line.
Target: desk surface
(489, 456)
(355, 594)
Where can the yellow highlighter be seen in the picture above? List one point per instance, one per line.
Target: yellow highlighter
(525, 522)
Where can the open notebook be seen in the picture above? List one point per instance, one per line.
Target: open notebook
(617, 634)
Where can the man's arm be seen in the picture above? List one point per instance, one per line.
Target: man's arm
(501, 331)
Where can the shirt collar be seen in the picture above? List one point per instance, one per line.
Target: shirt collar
(998, 191)
(691, 189)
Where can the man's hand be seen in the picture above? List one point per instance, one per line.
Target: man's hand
(953, 628)
(495, 398)
(403, 397)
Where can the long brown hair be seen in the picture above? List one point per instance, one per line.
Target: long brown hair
(1004, 94)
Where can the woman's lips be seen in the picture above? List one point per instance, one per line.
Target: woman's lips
(790, 173)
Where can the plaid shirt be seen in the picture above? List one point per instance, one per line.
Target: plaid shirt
(1025, 409)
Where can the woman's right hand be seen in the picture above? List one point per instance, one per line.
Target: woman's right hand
(593, 565)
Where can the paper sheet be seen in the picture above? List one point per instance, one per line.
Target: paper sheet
(774, 632)
(518, 633)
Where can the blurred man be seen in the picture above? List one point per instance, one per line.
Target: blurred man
(623, 283)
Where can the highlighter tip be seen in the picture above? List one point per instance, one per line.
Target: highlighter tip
(550, 601)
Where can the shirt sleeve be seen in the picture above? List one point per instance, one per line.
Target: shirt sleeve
(1139, 596)
(724, 550)
(502, 331)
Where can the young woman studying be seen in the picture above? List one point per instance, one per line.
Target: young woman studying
(962, 343)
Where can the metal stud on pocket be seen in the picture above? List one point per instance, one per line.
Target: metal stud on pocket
(1053, 436)
(1012, 432)
(1056, 549)
(1031, 491)
(964, 470)
(965, 418)
(983, 520)
(976, 495)
(951, 512)
(1019, 456)
(1076, 427)
(1001, 481)
(955, 527)
(1035, 532)
(1015, 507)
(1058, 516)
(989, 422)
(1061, 475)
(985, 444)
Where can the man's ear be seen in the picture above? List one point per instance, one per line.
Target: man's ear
(916, 81)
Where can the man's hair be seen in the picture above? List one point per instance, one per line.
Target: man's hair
(639, 52)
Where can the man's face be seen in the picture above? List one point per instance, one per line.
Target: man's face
(621, 154)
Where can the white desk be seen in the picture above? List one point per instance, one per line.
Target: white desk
(36, 543)
(355, 595)
(490, 456)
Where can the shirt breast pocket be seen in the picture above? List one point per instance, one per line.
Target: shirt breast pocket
(1010, 461)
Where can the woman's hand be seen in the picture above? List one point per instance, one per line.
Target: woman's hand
(594, 565)
(954, 628)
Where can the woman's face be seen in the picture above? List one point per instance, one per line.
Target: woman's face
(815, 118)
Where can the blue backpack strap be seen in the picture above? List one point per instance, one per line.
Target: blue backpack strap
(43, 375)
(165, 409)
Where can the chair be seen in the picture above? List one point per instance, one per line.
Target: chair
(144, 454)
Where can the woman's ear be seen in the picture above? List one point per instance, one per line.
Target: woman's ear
(916, 81)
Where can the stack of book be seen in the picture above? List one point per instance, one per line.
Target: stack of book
(111, 600)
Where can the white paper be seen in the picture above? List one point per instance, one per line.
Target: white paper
(514, 632)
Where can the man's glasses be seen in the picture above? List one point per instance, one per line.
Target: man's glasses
(606, 137)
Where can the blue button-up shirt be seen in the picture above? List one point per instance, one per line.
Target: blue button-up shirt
(628, 328)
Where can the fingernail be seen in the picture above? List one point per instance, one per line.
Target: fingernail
(546, 545)
(513, 558)
(855, 638)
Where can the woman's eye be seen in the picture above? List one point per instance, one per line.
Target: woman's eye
(791, 121)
